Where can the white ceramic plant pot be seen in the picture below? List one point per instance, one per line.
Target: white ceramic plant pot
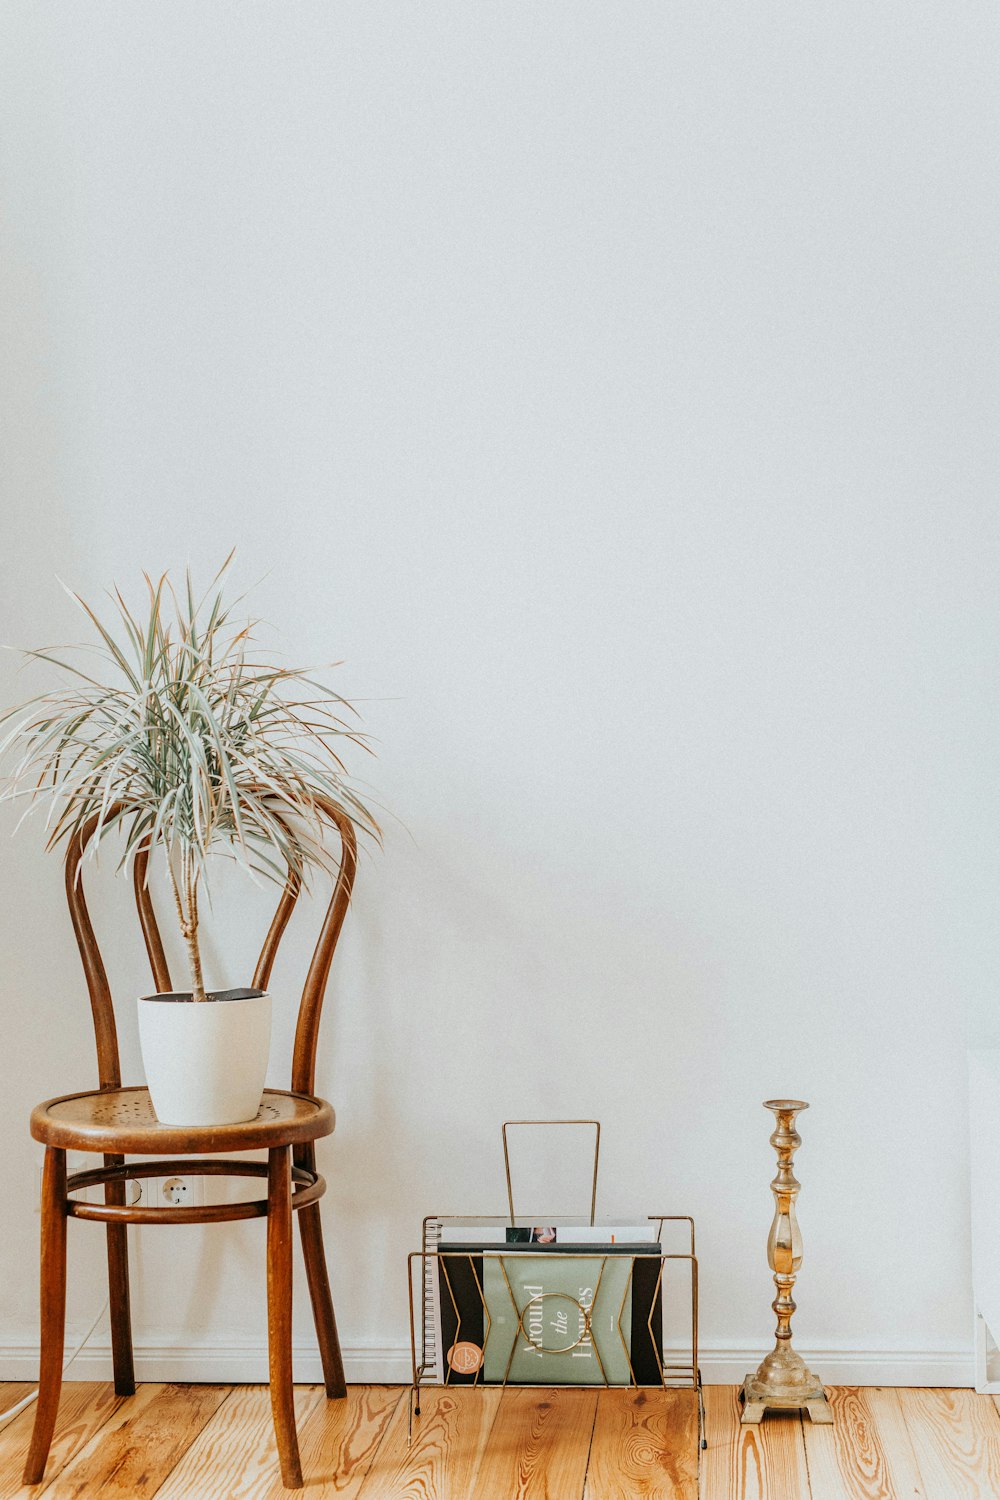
(205, 1061)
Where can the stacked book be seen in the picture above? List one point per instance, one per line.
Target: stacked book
(565, 1303)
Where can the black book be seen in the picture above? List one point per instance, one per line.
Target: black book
(552, 1343)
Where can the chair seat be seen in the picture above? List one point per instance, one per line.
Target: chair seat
(116, 1121)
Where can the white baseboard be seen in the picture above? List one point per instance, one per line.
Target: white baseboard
(246, 1364)
(226, 1364)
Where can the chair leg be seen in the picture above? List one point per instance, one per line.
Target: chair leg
(118, 1284)
(53, 1310)
(311, 1230)
(279, 1311)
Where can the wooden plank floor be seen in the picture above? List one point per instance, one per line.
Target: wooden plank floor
(216, 1443)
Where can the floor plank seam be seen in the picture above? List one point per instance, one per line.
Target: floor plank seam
(805, 1451)
(590, 1447)
(397, 1406)
(212, 1416)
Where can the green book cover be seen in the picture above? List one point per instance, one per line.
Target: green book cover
(549, 1292)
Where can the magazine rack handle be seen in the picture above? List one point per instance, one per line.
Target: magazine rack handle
(597, 1152)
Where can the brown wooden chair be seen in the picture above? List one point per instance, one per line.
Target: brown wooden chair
(117, 1121)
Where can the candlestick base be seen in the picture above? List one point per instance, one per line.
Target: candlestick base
(783, 1389)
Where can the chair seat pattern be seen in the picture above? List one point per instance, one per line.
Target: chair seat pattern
(115, 1121)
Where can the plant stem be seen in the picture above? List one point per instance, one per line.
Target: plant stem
(194, 959)
(191, 935)
(187, 916)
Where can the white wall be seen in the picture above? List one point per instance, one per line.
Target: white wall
(614, 387)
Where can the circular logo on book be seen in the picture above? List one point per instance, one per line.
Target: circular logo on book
(465, 1358)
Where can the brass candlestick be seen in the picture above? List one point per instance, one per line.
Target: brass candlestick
(783, 1381)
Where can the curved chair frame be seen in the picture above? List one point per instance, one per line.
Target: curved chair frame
(293, 1183)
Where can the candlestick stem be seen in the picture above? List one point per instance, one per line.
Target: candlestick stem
(783, 1382)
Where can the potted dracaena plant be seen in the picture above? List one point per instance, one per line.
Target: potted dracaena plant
(176, 731)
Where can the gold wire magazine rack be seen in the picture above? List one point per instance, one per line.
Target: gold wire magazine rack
(487, 1300)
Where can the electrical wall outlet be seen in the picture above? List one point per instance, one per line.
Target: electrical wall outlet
(76, 1161)
(84, 1161)
(145, 1192)
(137, 1191)
(82, 1196)
(178, 1192)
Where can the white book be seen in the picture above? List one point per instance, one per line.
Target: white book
(499, 1232)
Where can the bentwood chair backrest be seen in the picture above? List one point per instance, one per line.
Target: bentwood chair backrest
(311, 1004)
